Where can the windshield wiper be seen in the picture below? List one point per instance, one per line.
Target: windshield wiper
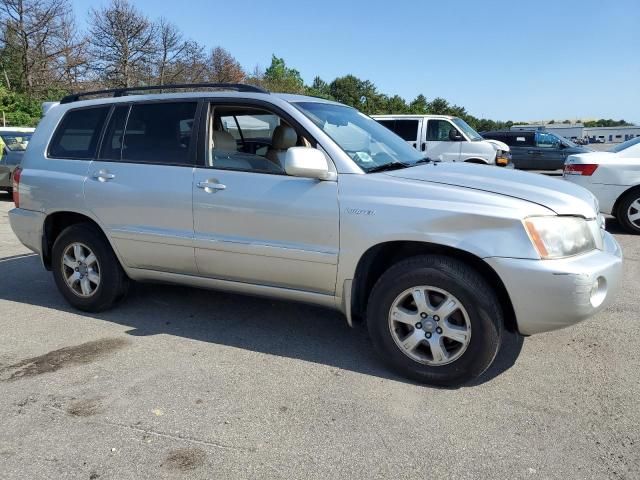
(387, 166)
(424, 160)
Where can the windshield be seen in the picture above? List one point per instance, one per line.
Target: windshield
(16, 142)
(466, 129)
(565, 141)
(625, 145)
(368, 143)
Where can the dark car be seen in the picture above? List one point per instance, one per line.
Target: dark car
(536, 149)
(13, 143)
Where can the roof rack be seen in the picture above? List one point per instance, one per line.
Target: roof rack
(122, 92)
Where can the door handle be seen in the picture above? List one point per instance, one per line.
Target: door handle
(534, 152)
(424, 146)
(210, 186)
(103, 176)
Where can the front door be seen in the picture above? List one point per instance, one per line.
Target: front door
(255, 224)
(549, 151)
(140, 186)
(438, 144)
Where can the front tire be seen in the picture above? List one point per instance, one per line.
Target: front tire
(85, 269)
(435, 320)
(629, 212)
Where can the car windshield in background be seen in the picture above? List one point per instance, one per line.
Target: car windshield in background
(625, 145)
(466, 129)
(368, 143)
(16, 142)
(565, 141)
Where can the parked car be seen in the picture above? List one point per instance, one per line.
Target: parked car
(333, 209)
(614, 178)
(13, 143)
(537, 149)
(446, 138)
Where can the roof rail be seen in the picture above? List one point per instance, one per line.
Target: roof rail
(122, 92)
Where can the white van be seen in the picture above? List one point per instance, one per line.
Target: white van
(446, 138)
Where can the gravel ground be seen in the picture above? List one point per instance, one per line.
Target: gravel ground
(186, 383)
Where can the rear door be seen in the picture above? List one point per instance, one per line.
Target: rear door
(521, 145)
(140, 186)
(437, 142)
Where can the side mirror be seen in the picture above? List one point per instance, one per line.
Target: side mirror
(454, 136)
(307, 162)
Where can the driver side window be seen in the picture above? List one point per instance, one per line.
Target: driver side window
(249, 139)
(546, 140)
(438, 130)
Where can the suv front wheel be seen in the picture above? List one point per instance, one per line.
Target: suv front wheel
(85, 269)
(435, 320)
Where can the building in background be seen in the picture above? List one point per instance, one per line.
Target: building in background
(577, 131)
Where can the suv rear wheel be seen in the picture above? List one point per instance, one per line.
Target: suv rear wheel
(435, 320)
(85, 269)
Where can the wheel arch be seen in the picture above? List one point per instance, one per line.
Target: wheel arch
(377, 259)
(54, 225)
(476, 160)
(616, 204)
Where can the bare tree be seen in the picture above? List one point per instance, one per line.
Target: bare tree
(192, 66)
(223, 67)
(171, 50)
(31, 29)
(123, 43)
(73, 59)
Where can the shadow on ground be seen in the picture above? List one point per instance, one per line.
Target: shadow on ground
(277, 328)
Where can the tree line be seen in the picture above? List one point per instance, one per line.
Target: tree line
(44, 55)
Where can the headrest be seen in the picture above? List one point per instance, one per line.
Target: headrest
(224, 141)
(284, 138)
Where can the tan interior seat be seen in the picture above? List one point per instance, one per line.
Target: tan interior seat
(284, 137)
(223, 141)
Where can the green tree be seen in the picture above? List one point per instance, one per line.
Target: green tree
(438, 106)
(319, 88)
(280, 78)
(419, 105)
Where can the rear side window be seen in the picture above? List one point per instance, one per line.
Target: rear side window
(159, 133)
(78, 134)
(407, 129)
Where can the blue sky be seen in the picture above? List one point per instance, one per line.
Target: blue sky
(518, 60)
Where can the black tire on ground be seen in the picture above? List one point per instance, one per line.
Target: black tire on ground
(113, 281)
(463, 282)
(623, 211)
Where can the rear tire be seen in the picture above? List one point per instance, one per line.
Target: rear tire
(85, 269)
(628, 213)
(450, 350)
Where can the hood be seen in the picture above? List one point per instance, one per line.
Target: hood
(563, 197)
(498, 144)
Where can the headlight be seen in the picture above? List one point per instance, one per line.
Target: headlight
(557, 237)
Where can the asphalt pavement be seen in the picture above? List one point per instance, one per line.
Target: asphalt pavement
(186, 383)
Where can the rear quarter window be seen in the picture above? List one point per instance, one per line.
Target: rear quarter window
(78, 134)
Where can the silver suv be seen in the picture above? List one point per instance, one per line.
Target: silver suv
(305, 199)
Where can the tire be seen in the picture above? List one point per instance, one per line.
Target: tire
(480, 317)
(630, 205)
(107, 281)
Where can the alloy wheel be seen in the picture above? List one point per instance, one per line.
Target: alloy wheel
(81, 270)
(429, 325)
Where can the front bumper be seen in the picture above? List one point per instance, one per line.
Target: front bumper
(552, 294)
(27, 226)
